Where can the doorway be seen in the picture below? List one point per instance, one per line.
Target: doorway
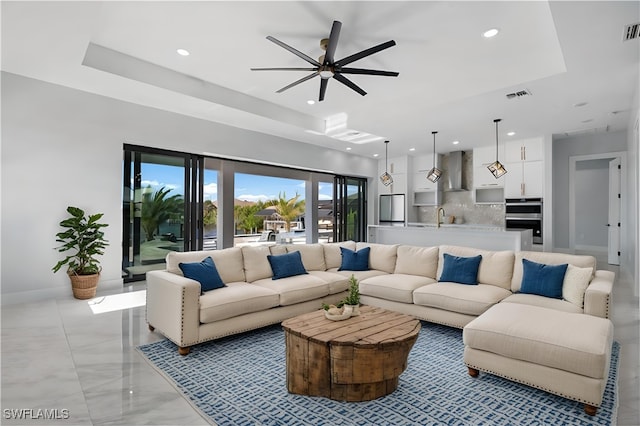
(595, 205)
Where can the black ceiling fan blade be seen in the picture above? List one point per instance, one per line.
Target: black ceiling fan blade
(323, 89)
(333, 42)
(363, 54)
(295, 83)
(284, 69)
(294, 51)
(344, 80)
(367, 72)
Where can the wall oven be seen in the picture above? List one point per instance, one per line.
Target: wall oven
(525, 213)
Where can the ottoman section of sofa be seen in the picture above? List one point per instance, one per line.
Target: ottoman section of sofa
(564, 353)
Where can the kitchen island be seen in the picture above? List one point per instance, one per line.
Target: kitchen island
(468, 235)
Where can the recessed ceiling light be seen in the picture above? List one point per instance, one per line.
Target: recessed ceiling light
(511, 133)
(412, 149)
(490, 33)
(455, 142)
(311, 102)
(183, 52)
(580, 104)
(375, 155)
(348, 148)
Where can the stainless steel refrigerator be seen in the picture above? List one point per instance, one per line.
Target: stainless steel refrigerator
(392, 210)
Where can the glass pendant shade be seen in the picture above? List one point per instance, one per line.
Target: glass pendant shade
(386, 178)
(435, 173)
(496, 168)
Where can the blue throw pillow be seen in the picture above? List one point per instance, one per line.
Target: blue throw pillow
(541, 279)
(204, 272)
(461, 270)
(354, 260)
(286, 265)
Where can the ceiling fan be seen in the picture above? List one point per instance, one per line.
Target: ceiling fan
(327, 67)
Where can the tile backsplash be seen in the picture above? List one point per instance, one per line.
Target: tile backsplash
(460, 203)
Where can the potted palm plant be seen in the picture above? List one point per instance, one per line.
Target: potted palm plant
(84, 237)
(353, 298)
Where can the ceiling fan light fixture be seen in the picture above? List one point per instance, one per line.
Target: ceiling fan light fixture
(325, 72)
(386, 178)
(496, 168)
(435, 173)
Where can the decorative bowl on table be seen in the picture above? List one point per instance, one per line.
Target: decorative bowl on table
(339, 314)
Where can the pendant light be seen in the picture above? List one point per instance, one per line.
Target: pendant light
(435, 173)
(386, 177)
(496, 168)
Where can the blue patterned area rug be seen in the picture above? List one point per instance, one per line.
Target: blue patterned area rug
(241, 380)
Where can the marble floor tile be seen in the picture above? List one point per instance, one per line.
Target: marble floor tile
(58, 354)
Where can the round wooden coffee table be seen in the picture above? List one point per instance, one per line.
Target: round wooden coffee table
(358, 359)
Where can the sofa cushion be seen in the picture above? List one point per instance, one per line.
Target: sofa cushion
(543, 302)
(576, 281)
(354, 260)
(256, 266)
(312, 256)
(396, 287)
(286, 265)
(231, 258)
(299, 288)
(496, 267)
(578, 343)
(360, 275)
(461, 298)
(235, 299)
(461, 270)
(204, 272)
(382, 257)
(332, 255)
(581, 261)
(337, 282)
(422, 261)
(542, 279)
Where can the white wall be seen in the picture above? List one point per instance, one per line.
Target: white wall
(63, 147)
(586, 144)
(630, 261)
(592, 203)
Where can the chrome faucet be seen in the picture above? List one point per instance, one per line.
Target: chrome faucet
(440, 209)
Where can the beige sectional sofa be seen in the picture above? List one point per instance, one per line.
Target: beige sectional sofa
(404, 279)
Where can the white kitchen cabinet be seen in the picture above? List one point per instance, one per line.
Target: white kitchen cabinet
(486, 155)
(486, 188)
(524, 150)
(425, 192)
(524, 179)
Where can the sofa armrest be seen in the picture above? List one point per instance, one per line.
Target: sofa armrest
(597, 297)
(173, 306)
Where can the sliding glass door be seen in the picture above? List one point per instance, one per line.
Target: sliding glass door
(162, 208)
(350, 203)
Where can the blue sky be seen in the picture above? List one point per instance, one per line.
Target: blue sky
(247, 187)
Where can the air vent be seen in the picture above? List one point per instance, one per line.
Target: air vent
(519, 94)
(631, 32)
(593, 130)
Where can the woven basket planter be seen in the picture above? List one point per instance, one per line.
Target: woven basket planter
(84, 286)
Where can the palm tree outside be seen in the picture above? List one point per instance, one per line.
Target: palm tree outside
(157, 208)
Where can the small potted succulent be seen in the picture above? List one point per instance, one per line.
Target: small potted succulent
(84, 236)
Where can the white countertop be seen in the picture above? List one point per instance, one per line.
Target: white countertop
(457, 225)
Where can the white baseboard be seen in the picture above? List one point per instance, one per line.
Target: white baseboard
(107, 286)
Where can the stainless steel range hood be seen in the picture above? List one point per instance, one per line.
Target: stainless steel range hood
(455, 170)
